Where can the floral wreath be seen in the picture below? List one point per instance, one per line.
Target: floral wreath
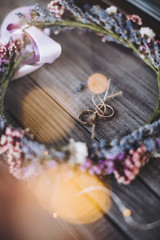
(122, 157)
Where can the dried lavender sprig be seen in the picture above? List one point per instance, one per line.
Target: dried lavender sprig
(75, 10)
(10, 59)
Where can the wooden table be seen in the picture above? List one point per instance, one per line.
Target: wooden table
(46, 101)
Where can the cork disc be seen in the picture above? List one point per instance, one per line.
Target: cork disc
(97, 83)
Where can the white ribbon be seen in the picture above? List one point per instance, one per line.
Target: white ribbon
(48, 49)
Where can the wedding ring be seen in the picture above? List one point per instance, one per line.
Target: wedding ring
(87, 117)
(104, 111)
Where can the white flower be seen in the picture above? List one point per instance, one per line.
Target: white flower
(111, 10)
(3, 140)
(47, 31)
(78, 151)
(146, 31)
(142, 56)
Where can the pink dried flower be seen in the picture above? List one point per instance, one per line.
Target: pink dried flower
(56, 8)
(11, 46)
(7, 49)
(10, 143)
(15, 45)
(134, 18)
(131, 165)
(19, 43)
(3, 50)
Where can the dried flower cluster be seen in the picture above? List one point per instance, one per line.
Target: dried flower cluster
(7, 51)
(27, 158)
(10, 143)
(56, 8)
(125, 157)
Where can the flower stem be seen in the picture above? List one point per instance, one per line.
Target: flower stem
(8, 75)
(156, 115)
(98, 29)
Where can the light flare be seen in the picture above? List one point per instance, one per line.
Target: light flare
(58, 192)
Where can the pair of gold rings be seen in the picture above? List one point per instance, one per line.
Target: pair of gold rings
(102, 111)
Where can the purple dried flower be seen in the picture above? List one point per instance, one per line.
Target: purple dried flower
(121, 156)
(158, 141)
(51, 164)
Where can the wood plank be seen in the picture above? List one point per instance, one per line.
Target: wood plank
(150, 174)
(141, 201)
(81, 56)
(141, 86)
(75, 65)
(32, 107)
(27, 111)
(149, 7)
(22, 88)
(138, 83)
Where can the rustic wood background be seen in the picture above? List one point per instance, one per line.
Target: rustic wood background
(46, 101)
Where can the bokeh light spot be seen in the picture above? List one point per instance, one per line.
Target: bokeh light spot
(58, 191)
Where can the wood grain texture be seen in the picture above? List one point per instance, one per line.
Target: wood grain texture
(47, 102)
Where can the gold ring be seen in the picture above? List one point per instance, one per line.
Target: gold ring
(87, 117)
(108, 113)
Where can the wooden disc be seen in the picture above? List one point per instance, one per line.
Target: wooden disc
(97, 83)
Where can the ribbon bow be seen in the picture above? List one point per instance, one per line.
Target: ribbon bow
(46, 50)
